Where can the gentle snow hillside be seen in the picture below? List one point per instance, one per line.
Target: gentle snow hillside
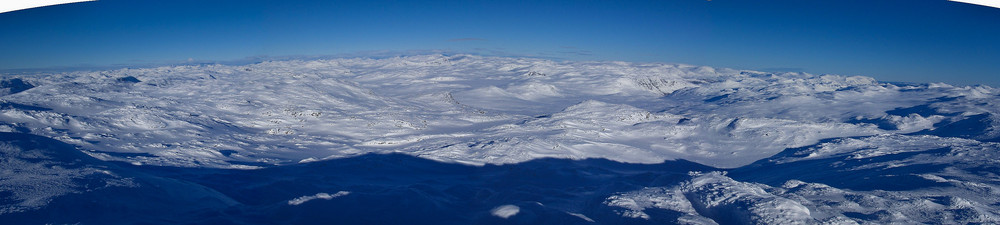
(466, 139)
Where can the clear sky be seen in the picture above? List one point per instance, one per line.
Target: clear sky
(901, 40)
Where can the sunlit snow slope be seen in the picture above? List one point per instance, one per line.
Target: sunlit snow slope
(468, 109)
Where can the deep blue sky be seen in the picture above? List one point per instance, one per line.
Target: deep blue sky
(903, 40)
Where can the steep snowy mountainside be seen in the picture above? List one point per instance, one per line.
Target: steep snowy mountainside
(471, 109)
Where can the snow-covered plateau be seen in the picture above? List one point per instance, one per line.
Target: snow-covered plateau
(466, 139)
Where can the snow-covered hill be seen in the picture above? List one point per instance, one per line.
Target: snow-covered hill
(792, 147)
(467, 109)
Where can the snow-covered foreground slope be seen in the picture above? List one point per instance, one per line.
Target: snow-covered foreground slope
(50, 182)
(44, 181)
(883, 179)
(494, 140)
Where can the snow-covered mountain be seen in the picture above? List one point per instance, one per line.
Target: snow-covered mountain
(494, 140)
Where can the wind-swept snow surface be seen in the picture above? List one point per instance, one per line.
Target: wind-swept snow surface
(786, 148)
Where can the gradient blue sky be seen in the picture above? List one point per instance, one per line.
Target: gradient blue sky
(903, 40)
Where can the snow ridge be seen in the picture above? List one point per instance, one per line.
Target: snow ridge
(713, 198)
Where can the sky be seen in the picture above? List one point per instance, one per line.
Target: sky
(900, 40)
